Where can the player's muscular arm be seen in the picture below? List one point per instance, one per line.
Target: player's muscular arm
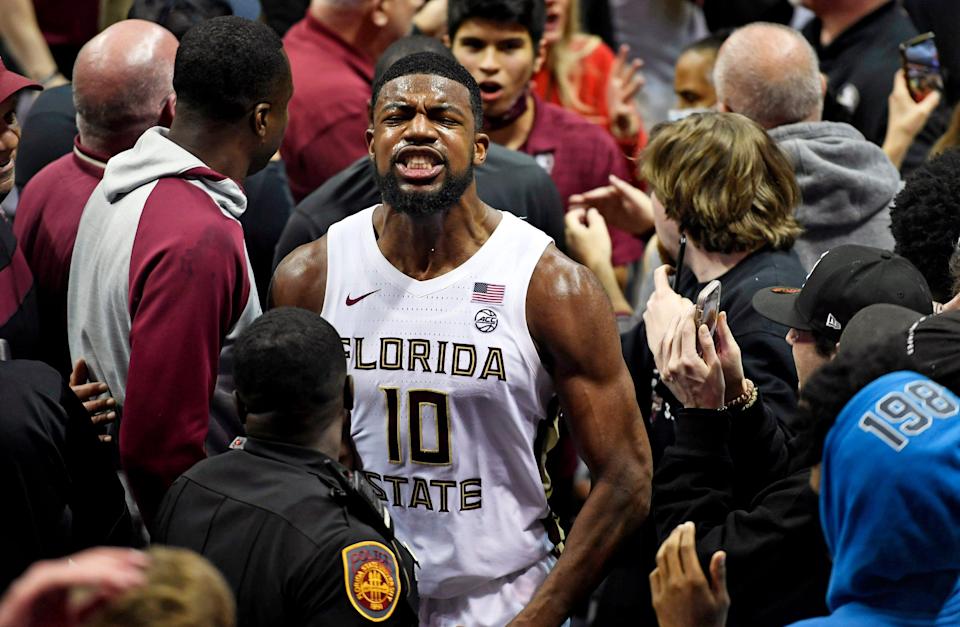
(301, 278)
(573, 325)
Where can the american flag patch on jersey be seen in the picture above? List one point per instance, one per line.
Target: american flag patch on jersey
(488, 293)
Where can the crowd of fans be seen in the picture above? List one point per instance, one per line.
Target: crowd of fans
(180, 444)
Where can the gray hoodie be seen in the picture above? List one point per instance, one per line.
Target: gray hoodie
(847, 184)
(159, 282)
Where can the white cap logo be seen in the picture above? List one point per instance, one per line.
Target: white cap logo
(832, 322)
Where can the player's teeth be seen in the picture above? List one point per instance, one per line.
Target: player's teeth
(419, 163)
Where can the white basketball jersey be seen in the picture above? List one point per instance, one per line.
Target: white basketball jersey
(450, 393)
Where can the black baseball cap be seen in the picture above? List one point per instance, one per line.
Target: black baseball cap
(929, 344)
(845, 280)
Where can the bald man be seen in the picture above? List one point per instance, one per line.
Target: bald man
(123, 85)
(770, 73)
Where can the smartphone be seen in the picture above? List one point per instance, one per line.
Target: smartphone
(921, 66)
(679, 266)
(708, 307)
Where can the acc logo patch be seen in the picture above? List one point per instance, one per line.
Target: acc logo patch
(371, 576)
(486, 320)
(785, 290)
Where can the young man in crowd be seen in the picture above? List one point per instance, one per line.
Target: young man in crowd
(693, 76)
(462, 323)
(722, 184)
(499, 43)
(160, 275)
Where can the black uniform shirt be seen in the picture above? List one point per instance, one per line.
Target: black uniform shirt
(276, 521)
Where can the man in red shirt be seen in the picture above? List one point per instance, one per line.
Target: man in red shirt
(497, 42)
(111, 116)
(332, 51)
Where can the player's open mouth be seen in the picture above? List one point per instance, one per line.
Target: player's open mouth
(490, 91)
(419, 163)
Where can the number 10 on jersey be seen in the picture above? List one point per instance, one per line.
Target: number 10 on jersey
(419, 404)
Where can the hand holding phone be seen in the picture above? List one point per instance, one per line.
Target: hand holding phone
(921, 66)
(708, 307)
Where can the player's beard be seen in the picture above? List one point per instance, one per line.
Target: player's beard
(416, 203)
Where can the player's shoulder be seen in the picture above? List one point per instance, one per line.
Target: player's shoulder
(300, 279)
(558, 279)
(566, 309)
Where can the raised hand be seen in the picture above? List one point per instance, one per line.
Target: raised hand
(682, 596)
(622, 205)
(625, 81)
(730, 360)
(905, 118)
(695, 380)
(588, 240)
(663, 308)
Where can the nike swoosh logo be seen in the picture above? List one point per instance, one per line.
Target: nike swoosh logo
(353, 301)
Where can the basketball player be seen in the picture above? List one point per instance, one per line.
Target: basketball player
(460, 324)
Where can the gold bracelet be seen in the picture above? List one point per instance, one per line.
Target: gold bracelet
(745, 400)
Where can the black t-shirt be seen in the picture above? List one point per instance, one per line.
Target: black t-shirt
(722, 14)
(767, 358)
(61, 493)
(507, 180)
(47, 132)
(295, 549)
(269, 206)
(860, 64)
(280, 15)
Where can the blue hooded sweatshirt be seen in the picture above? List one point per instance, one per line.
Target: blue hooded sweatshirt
(890, 506)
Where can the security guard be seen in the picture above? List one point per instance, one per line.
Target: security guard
(301, 540)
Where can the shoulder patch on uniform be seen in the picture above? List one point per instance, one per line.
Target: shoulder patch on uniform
(371, 576)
